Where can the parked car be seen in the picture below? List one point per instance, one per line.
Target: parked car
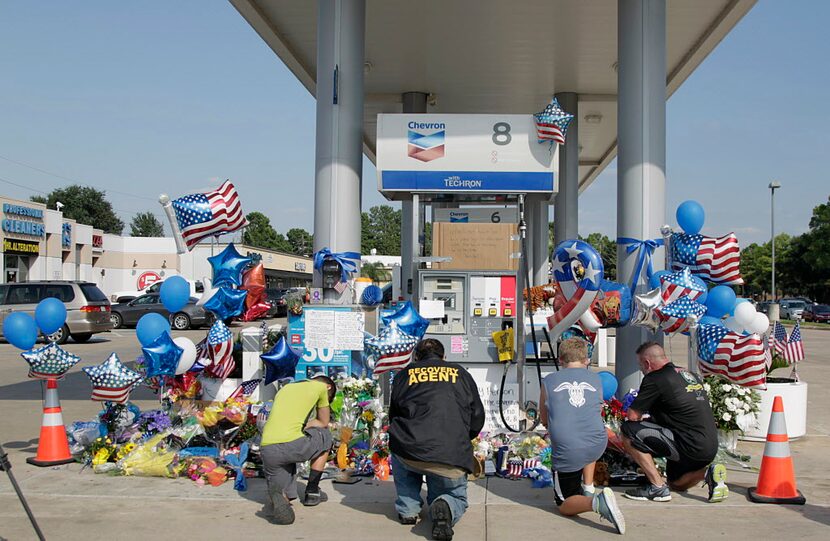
(196, 290)
(87, 308)
(791, 309)
(763, 306)
(820, 313)
(276, 297)
(127, 314)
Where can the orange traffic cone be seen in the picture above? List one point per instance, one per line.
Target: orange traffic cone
(53, 448)
(776, 481)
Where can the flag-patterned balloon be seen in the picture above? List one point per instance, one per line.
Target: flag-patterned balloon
(552, 123)
(220, 350)
(391, 348)
(49, 362)
(674, 316)
(111, 381)
(737, 357)
(578, 272)
(201, 215)
(681, 284)
(716, 260)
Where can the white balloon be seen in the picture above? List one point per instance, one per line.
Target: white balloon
(188, 356)
(733, 325)
(745, 314)
(760, 324)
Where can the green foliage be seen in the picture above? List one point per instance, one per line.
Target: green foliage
(260, 234)
(607, 249)
(375, 272)
(381, 230)
(301, 241)
(145, 224)
(85, 205)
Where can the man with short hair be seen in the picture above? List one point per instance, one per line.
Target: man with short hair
(681, 429)
(290, 437)
(434, 413)
(570, 406)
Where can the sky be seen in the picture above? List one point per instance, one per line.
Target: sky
(143, 98)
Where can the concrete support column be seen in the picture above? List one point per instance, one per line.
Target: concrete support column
(538, 217)
(566, 210)
(339, 145)
(641, 157)
(411, 227)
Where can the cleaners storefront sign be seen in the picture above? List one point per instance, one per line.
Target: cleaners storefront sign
(22, 227)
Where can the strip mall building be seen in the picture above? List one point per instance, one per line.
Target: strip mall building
(41, 244)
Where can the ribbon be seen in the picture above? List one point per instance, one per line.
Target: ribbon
(347, 265)
(646, 251)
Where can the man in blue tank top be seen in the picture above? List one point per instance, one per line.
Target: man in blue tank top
(570, 407)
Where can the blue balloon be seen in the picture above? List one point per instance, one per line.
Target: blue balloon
(371, 296)
(690, 217)
(654, 281)
(50, 315)
(710, 320)
(280, 362)
(408, 320)
(20, 330)
(720, 301)
(161, 356)
(150, 327)
(703, 296)
(609, 385)
(174, 293)
(228, 266)
(227, 302)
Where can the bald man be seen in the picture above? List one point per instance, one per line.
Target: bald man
(681, 429)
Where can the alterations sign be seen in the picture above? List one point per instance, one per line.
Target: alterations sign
(434, 153)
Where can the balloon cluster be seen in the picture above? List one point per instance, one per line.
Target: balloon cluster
(392, 348)
(21, 329)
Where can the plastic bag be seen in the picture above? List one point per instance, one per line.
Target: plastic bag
(81, 434)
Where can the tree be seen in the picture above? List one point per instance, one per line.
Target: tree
(375, 272)
(260, 234)
(381, 230)
(301, 241)
(145, 224)
(756, 266)
(85, 205)
(607, 251)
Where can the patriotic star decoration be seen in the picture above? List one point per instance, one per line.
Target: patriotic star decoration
(552, 123)
(226, 302)
(49, 362)
(390, 342)
(681, 283)
(111, 374)
(227, 267)
(577, 262)
(674, 315)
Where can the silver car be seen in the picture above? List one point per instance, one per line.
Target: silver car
(792, 309)
(87, 308)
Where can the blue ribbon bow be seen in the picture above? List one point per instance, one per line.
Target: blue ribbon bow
(237, 462)
(646, 251)
(346, 260)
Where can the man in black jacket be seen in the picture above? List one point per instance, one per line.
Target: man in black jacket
(434, 412)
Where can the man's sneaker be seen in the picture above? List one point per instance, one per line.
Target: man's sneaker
(650, 492)
(441, 520)
(716, 481)
(407, 520)
(606, 506)
(314, 498)
(589, 490)
(281, 510)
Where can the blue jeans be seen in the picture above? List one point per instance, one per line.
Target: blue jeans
(408, 485)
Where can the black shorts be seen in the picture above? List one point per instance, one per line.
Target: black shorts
(566, 484)
(658, 441)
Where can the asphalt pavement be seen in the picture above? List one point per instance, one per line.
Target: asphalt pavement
(71, 503)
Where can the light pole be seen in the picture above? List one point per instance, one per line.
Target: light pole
(773, 307)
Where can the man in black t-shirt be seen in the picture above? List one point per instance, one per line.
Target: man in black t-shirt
(681, 429)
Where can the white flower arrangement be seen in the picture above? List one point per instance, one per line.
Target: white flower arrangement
(734, 407)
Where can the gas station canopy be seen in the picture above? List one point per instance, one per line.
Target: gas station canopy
(491, 56)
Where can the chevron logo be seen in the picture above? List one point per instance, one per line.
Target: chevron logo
(425, 147)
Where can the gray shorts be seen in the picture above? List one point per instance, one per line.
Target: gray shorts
(279, 460)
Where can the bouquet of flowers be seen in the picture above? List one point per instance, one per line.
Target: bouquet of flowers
(734, 407)
(153, 422)
(612, 412)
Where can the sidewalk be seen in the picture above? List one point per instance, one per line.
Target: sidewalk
(71, 504)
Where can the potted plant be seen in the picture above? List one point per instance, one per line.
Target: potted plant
(735, 409)
(794, 393)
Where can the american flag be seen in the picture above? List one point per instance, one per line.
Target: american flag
(674, 317)
(716, 260)
(49, 362)
(779, 337)
(552, 123)
(517, 467)
(220, 350)
(391, 348)
(794, 348)
(738, 358)
(681, 284)
(111, 381)
(245, 389)
(201, 215)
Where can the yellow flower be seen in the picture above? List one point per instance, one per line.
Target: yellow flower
(101, 457)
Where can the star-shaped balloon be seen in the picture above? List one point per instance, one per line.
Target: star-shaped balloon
(227, 266)
(646, 308)
(552, 123)
(161, 357)
(391, 349)
(111, 381)
(408, 320)
(49, 362)
(280, 362)
(226, 302)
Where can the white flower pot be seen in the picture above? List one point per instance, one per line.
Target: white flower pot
(795, 410)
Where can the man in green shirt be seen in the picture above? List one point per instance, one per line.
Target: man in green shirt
(290, 437)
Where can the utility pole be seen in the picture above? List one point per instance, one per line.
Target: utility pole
(773, 307)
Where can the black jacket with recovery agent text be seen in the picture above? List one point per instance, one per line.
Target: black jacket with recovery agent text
(434, 412)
